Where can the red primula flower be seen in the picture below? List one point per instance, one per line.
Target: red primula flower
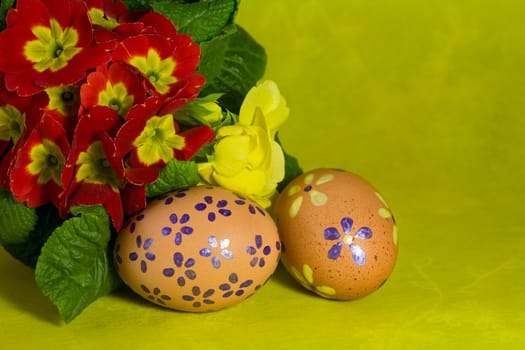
(47, 44)
(112, 21)
(93, 173)
(165, 63)
(63, 103)
(18, 116)
(36, 172)
(117, 87)
(151, 139)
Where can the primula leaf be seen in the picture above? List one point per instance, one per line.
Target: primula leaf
(138, 4)
(5, 5)
(292, 169)
(28, 251)
(16, 219)
(176, 175)
(75, 266)
(201, 20)
(232, 64)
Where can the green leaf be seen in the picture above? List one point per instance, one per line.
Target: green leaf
(201, 20)
(232, 64)
(138, 4)
(176, 175)
(292, 169)
(5, 5)
(28, 251)
(16, 219)
(75, 266)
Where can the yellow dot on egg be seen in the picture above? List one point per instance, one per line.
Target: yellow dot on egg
(384, 213)
(324, 179)
(318, 198)
(394, 235)
(295, 206)
(325, 290)
(308, 179)
(308, 273)
(293, 190)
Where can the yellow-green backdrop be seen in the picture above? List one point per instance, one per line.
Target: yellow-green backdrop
(426, 100)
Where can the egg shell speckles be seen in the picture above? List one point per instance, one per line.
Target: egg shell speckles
(201, 249)
(339, 236)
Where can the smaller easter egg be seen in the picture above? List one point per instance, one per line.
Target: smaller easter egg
(339, 237)
(200, 249)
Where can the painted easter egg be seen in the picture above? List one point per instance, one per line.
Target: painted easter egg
(338, 234)
(200, 249)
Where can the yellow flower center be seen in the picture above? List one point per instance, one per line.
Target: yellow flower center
(98, 17)
(158, 72)
(47, 161)
(52, 48)
(11, 123)
(95, 167)
(116, 97)
(65, 99)
(157, 140)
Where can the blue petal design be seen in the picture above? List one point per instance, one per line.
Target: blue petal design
(205, 252)
(258, 241)
(212, 241)
(358, 254)
(150, 256)
(335, 251)
(227, 254)
(178, 259)
(346, 224)
(331, 234)
(216, 262)
(364, 233)
(147, 243)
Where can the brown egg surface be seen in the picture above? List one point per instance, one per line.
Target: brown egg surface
(201, 249)
(339, 236)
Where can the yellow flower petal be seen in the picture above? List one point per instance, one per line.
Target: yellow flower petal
(293, 190)
(384, 213)
(295, 207)
(265, 96)
(318, 198)
(325, 291)
(394, 235)
(308, 273)
(324, 179)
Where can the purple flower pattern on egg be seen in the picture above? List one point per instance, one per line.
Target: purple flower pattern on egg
(155, 295)
(144, 247)
(253, 250)
(346, 239)
(183, 230)
(183, 265)
(197, 298)
(252, 209)
(232, 288)
(221, 245)
(206, 204)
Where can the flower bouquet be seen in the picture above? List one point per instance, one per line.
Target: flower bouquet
(105, 105)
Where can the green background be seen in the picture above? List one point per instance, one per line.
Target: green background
(426, 100)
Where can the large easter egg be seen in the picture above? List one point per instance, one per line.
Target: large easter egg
(338, 234)
(201, 249)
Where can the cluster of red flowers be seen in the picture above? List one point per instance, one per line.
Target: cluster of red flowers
(87, 92)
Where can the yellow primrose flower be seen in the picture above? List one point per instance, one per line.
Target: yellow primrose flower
(246, 157)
